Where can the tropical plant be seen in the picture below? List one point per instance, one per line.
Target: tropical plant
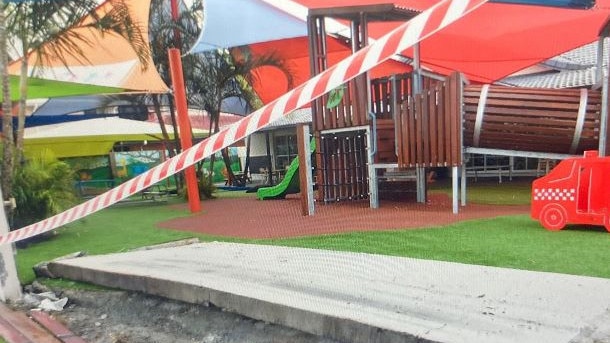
(214, 76)
(165, 31)
(55, 29)
(210, 77)
(207, 188)
(43, 186)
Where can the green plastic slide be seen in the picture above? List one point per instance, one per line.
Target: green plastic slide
(288, 185)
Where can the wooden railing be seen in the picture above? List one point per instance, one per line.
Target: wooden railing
(427, 130)
(430, 130)
(350, 112)
(388, 93)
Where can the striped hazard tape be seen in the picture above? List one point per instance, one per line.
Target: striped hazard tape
(425, 24)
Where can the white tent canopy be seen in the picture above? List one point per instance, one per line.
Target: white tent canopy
(96, 127)
(93, 137)
(255, 21)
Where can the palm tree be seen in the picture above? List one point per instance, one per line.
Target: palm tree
(7, 118)
(53, 29)
(214, 76)
(163, 33)
(10, 288)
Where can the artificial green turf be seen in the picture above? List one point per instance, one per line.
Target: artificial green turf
(223, 194)
(510, 241)
(517, 192)
(111, 230)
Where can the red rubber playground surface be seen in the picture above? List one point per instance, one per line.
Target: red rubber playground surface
(248, 217)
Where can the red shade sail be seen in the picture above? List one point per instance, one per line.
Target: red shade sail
(497, 39)
(489, 44)
(271, 83)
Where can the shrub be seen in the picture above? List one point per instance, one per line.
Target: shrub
(207, 188)
(42, 187)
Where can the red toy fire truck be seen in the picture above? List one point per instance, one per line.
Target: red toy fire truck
(576, 191)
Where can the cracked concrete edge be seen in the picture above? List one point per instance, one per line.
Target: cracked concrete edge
(341, 329)
(41, 269)
(598, 330)
(172, 244)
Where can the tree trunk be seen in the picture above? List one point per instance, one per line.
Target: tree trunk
(10, 289)
(224, 152)
(247, 164)
(7, 117)
(180, 176)
(23, 95)
(157, 108)
(172, 114)
(169, 146)
(227, 160)
(213, 157)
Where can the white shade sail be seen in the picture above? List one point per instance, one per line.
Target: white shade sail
(240, 22)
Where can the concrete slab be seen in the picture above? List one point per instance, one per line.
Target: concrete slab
(360, 297)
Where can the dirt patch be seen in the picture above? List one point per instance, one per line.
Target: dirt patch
(131, 317)
(248, 217)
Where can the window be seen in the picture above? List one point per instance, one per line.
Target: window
(285, 150)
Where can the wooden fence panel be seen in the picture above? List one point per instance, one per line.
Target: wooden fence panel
(430, 126)
(531, 119)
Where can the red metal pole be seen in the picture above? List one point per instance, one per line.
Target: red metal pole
(175, 66)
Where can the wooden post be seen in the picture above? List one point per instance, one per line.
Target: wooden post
(305, 177)
(186, 139)
(10, 289)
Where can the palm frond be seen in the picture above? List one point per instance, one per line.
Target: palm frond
(120, 22)
(42, 187)
(55, 29)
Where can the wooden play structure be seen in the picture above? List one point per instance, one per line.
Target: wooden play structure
(379, 140)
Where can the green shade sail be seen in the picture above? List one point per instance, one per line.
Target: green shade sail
(42, 88)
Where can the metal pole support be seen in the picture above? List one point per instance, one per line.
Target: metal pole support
(175, 63)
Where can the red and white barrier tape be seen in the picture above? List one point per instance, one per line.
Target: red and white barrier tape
(403, 37)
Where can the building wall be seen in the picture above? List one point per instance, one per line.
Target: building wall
(258, 149)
